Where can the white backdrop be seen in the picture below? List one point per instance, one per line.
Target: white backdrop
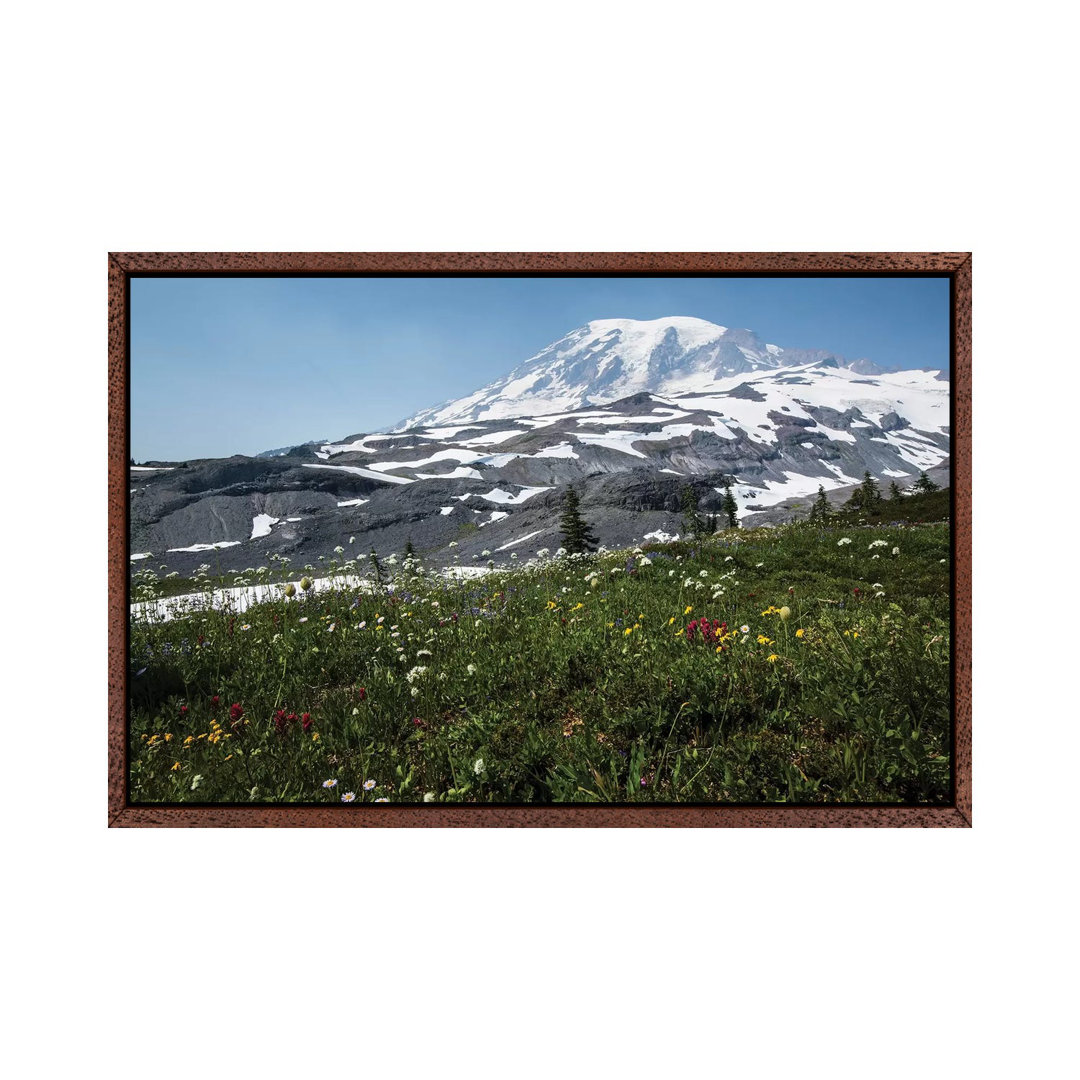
(583, 126)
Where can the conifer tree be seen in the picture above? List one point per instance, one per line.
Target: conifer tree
(869, 495)
(924, 485)
(410, 551)
(576, 537)
(728, 506)
(820, 511)
(695, 524)
(894, 491)
(377, 571)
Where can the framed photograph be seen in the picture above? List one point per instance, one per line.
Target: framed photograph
(541, 539)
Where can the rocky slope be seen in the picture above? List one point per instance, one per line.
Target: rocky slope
(486, 473)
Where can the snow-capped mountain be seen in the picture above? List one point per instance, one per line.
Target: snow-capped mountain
(610, 359)
(631, 413)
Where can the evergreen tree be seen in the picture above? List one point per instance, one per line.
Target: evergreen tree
(869, 494)
(695, 524)
(924, 485)
(820, 511)
(729, 507)
(576, 537)
(894, 491)
(377, 571)
(410, 551)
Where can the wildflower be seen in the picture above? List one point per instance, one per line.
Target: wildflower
(235, 712)
(784, 613)
(351, 539)
(384, 799)
(478, 766)
(763, 640)
(246, 626)
(329, 783)
(744, 629)
(689, 608)
(470, 669)
(361, 693)
(306, 721)
(896, 551)
(772, 658)
(176, 767)
(305, 583)
(877, 543)
(339, 550)
(843, 540)
(349, 796)
(704, 573)
(800, 632)
(429, 796)
(304, 619)
(369, 784)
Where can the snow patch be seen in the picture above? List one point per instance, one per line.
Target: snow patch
(520, 540)
(357, 471)
(260, 525)
(208, 547)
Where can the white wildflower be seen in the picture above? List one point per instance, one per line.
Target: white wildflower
(843, 540)
(478, 766)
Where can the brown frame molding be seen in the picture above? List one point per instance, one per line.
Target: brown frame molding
(122, 265)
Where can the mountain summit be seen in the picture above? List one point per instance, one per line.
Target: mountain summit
(610, 359)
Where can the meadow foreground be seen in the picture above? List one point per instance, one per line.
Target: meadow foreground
(795, 664)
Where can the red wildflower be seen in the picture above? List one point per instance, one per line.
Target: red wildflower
(361, 693)
(306, 721)
(183, 709)
(855, 591)
(214, 700)
(236, 711)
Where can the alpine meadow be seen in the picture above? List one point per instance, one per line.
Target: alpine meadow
(659, 561)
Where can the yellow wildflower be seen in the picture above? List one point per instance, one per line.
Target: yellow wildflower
(552, 605)
(176, 767)
(689, 608)
(230, 755)
(314, 736)
(763, 640)
(629, 630)
(772, 658)
(800, 632)
(168, 738)
(671, 620)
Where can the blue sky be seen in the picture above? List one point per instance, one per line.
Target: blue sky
(224, 366)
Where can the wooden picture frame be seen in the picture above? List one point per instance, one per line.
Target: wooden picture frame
(123, 266)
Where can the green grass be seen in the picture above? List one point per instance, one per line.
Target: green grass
(540, 686)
